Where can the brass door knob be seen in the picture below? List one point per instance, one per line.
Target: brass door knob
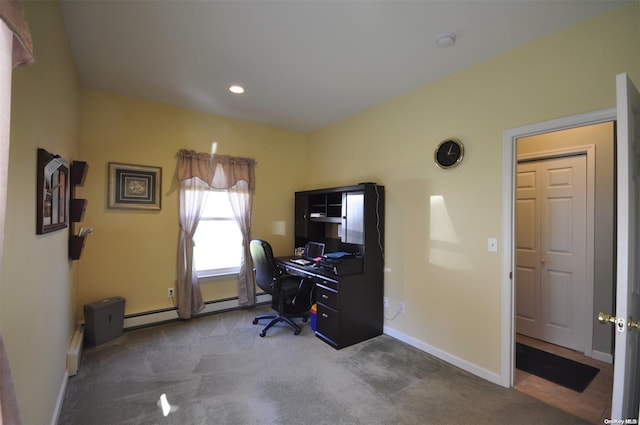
(605, 318)
(621, 324)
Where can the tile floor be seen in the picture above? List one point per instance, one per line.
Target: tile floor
(593, 404)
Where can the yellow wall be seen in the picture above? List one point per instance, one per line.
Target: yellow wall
(436, 259)
(38, 301)
(436, 252)
(133, 253)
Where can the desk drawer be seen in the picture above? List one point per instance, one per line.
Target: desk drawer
(327, 296)
(328, 322)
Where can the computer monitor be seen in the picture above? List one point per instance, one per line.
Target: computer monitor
(314, 249)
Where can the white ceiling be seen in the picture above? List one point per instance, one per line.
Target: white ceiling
(304, 63)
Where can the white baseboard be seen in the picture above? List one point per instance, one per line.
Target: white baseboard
(60, 400)
(447, 357)
(155, 317)
(603, 357)
(465, 365)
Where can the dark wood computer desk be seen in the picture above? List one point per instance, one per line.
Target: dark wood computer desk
(349, 294)
(348, 308)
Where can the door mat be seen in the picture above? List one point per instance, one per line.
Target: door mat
(568, 373)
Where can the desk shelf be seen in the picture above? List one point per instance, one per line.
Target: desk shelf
(337, 220)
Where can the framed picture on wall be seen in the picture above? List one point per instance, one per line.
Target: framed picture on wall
(134, 186)
(52, 193)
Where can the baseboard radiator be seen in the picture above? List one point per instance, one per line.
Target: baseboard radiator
(75, 351)
(151, 318)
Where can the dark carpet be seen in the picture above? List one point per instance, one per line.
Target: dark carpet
(216, 370)
(559, 370)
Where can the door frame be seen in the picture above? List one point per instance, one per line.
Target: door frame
(509, 168)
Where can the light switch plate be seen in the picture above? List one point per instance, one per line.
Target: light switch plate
(492, 245)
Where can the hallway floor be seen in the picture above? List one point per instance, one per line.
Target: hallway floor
(593, 404)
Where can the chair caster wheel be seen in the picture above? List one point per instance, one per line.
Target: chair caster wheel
(255, 321)
(262, 334)
(296, 332)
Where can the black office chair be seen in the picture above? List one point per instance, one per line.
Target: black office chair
(283, 288)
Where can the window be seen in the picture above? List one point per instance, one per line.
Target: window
(218, 241)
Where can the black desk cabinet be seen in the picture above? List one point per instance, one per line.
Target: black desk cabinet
(350, 308)
(351, 219)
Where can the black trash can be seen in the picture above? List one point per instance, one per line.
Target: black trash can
(103, 320)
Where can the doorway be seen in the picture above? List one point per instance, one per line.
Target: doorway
(603, 343)
(596, 141)
(510, 138)
(557, 260)
(626, 115)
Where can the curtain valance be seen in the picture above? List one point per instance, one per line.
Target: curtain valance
(218, 171)
(12, 13)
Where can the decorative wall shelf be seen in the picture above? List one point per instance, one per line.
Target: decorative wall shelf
(77, 207)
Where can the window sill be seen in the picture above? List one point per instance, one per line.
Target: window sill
(217, 276)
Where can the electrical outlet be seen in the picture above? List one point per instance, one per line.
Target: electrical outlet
(401, 308)
(170, 292)
(385, 302)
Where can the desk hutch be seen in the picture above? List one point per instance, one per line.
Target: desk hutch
(346, 219)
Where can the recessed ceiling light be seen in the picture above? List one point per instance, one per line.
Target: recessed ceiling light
(446, 40)
(236, 89)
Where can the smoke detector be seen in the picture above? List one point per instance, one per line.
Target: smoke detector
(446, 40)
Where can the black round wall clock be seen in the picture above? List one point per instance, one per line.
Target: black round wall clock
(449, 153)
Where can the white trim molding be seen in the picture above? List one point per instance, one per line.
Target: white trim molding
(509, 161)
(445, 356)
(150, 318)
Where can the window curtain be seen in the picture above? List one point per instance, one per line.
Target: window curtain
(242, 203)
(200, 172)
(12, 13)
(193, 195)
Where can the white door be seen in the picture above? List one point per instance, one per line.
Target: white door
(626, 373)
(551, 260)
